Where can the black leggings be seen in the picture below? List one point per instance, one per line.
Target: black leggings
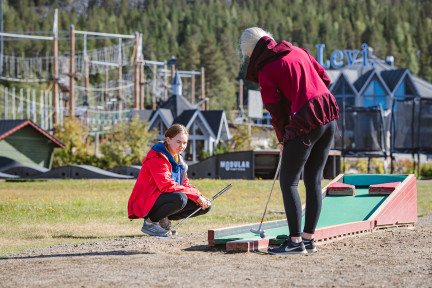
(298, 155)
(175, 206)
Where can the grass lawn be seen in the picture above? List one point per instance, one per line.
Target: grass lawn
(37, 214)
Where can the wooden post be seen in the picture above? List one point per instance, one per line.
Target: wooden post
(13, 104)
(34, 106)
(87, 80)
(142, 79)
(28, 103)
(72, 73)
(55, 72)
(173, 67)
(21, 104)
(6, 108)
(120, 79)
(193, 88)
(106, 89)
(202, 89)
(241, 97)
(136, 73)
(166, 82)
(154, 70)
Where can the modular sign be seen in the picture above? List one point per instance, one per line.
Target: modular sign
(337, 57)
(236, 165)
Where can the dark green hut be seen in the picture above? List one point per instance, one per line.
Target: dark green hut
(27, 143)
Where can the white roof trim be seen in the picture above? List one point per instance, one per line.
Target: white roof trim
(196, 114)
(368, 81)
(155, 116)
(342, 75)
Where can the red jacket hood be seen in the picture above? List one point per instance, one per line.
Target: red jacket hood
(266, 50)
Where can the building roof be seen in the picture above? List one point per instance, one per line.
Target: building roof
(214, 119)
(185, 117)
(144, 115)
(359, 76)
(167, 114)
(424, 88)
(177, 104)
(7, 127)
(392, 77)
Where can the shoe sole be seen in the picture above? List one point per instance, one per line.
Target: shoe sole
(153, 234)
(311, 250)
(286, 253)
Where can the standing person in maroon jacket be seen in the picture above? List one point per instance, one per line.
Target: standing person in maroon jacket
(294, 89)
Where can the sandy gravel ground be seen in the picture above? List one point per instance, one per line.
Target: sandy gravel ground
(397, 257)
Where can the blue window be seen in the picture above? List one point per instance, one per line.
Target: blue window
(404, 90)
(374, 95)
(343, 93)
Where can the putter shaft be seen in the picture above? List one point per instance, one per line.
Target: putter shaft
(193, 213)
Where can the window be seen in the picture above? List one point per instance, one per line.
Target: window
(375, 95)
(404, 90)
(344, 93)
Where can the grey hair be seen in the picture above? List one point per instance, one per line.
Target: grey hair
(250, 38)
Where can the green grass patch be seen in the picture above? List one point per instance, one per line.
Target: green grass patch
(38, 214)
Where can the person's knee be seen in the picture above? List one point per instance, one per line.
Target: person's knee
(180, 199)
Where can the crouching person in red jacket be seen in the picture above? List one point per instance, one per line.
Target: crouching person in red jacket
(162, 191)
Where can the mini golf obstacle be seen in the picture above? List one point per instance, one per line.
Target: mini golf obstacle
(380, 201)
(26, 171)
(132, 170)
(79, 172)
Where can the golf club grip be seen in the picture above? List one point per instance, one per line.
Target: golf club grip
(220, 192)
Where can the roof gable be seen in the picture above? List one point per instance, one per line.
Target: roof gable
(363, 79)
(185, 117)
(177, 104)
(163, 114)
(393, 77)
(339, 81)
(371, 76)
(8, 127)
(214, 119)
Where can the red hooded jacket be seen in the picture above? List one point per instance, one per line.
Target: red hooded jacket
(155, 178)
(294, 88)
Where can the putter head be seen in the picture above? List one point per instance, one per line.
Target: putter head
(258, 231)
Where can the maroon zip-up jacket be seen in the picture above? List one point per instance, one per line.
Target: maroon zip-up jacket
(294, 88)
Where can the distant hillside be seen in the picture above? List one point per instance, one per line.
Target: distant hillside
(205, 33)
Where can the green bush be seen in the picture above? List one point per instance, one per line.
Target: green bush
(127, 144)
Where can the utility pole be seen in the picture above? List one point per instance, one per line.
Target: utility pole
(1, 39)
(136, 72)
(55, 68)
(72, 73)
(203, 104)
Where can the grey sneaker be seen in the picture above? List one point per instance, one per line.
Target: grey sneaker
(166, 224)
(288, 247)
(153, 229)
(310, 245)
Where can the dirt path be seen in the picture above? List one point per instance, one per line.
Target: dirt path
(400, 257)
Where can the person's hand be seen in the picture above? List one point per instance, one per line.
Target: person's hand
(280, 145)
(203, 202)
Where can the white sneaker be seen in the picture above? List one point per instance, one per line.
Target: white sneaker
(153, 229)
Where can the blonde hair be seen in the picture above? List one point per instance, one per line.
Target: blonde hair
(250, 38)
(176, 129)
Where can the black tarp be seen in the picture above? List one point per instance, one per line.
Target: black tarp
(362, 132)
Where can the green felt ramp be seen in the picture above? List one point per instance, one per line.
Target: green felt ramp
(335, 210)
(367, 180)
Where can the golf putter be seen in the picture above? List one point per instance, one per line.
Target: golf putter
(193, 213)
(259, 231)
